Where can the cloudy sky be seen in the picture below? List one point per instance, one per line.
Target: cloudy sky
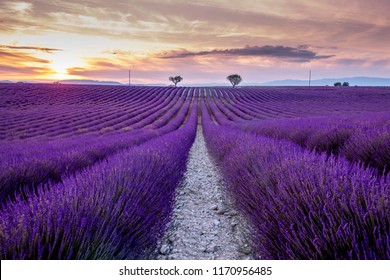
(201, 40)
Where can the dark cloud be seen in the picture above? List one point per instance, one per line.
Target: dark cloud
(299, 54)
(30, 48)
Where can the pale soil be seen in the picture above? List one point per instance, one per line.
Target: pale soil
(205, 224)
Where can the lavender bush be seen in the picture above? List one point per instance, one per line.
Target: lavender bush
(47, 111)
(24, 165)
(364, 137)
(117, 209)
(303, 205)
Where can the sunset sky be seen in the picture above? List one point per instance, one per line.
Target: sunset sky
(203, 41)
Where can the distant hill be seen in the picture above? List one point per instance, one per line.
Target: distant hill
(359, 81)
(5, 81)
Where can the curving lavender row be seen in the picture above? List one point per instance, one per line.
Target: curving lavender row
(292, 102)
(52, 111)
(117, 209)
(303, 205)
(23, 166)
(363, 137)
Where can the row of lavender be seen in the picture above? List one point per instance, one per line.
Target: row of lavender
(359, 138)
(303, 204)
(26, 164)
(52, 111)
(95, 197)
(342, 130)
(242, 104)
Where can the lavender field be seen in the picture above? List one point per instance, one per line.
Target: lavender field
(93, 172)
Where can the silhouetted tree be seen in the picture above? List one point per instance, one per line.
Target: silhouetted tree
(338, 84)
(345, 84)
(175, 79)
(234, 79)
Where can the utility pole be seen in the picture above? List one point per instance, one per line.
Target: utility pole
(129, 76)
(310, 78)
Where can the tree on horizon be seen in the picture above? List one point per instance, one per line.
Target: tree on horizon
(234, 79)
(175, 79)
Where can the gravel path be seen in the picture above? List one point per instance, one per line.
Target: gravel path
(205, 224)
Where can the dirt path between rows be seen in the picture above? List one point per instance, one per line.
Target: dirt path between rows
(205, 225)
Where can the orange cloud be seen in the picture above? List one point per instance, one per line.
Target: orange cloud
(22, 65)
